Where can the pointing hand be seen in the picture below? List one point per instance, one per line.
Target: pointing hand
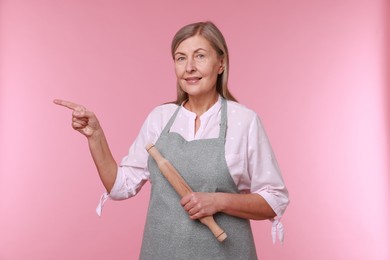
(83, 120)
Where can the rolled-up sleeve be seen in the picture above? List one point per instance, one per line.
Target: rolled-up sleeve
(132, 171)
(266, 178)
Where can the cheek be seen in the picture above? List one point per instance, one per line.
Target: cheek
(178, 71)
(212, 69)
(213, 72)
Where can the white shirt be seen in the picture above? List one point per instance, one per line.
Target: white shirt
(249, 155)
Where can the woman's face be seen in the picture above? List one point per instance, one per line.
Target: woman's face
(197, 66)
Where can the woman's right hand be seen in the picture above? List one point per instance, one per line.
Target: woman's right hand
(87, 123)
(83, 120)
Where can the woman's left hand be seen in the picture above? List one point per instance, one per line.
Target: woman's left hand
(200, 204)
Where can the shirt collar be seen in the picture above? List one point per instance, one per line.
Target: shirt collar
(211, 111)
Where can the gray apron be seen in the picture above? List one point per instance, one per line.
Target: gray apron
(169, 232)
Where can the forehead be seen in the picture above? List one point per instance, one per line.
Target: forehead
(194, 43)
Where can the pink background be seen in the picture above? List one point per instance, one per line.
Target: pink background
(317, 72)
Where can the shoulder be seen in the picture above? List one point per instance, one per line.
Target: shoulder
(168, 108)
(160, 115)
(240, 112)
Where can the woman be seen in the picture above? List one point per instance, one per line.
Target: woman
(219, 147)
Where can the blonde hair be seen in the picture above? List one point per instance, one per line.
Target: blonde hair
(211, 33)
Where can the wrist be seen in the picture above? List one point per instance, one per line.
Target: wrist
(96, 135)
(221, 202)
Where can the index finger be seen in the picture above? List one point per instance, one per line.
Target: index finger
(67, 104)
(185, 199)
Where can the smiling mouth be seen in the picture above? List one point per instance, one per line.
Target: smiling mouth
(192, 79)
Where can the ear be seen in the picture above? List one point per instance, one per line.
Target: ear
(221, 67)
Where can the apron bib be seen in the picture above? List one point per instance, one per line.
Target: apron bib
(169, 232)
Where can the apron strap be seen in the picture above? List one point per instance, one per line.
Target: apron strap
(223, 124)
(171, 120)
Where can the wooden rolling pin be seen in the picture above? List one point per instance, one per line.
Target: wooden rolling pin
(182, 188)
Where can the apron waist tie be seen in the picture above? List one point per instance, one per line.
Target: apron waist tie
(277, 230)
(102, 201)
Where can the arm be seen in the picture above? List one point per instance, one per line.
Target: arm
(261, 177)
(86, 123)
(250, 206)
(104, 161)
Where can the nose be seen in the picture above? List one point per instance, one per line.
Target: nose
(190, 65)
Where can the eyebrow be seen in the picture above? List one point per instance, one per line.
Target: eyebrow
(181, 53)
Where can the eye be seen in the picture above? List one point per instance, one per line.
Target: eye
(180, 58)
(200, 56)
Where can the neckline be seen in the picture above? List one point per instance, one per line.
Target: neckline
(223, 124)
(212, 110)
